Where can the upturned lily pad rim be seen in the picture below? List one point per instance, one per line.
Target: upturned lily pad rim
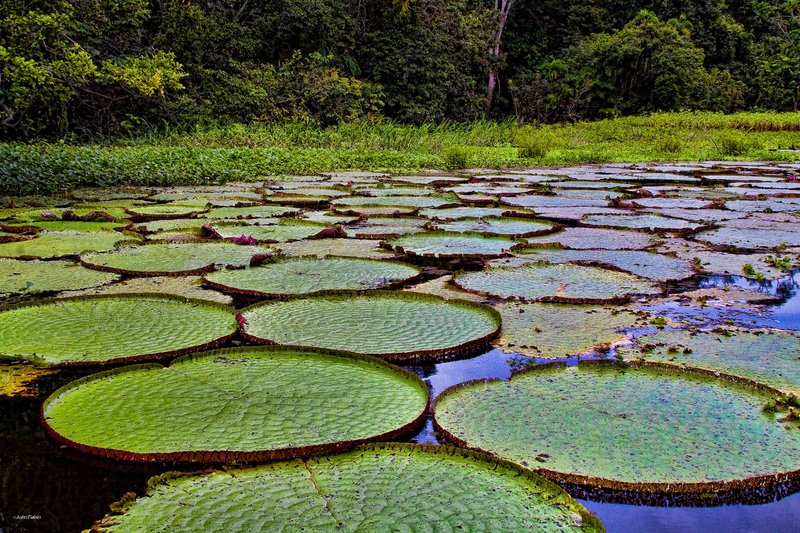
(286, 259)
(232, 456)
(583, 481)
(400, 357)
(148, 273)
(515, 244)
(577, 300)
(133, 358)
(588, 521)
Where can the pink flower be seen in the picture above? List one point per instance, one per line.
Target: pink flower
(792, 177)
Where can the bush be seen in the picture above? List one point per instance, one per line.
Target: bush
(456, 158)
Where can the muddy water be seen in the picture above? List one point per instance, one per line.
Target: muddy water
(46, 488)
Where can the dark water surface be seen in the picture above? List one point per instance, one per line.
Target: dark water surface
(46, 488)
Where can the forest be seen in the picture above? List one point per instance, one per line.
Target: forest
(77, 69)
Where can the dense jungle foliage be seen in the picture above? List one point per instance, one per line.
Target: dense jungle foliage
(83, 67)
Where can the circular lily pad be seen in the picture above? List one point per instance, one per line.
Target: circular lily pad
(284, 230)
(378, 487)
(769, 357)
(738, 238)
(396, 201)
(565, 283)
(549, 331)
(456, 213)
(595, 238)
(374, 211)
(97, 330)
(625, 428)
(45, 276)
(172, 259)
(648, 222)
(508, 227)
(164, 212)
(453, 245)
(241, 404)
(392, 325)
(64, 243)
(308, 275)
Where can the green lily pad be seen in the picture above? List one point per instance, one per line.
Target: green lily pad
(395, 191)
(51, 244)
(673, 203)
(452, 245)
(594, 238)
(283, 231)
(506, 226)
(172, 259)
(172, 225)
(426, 180)
(374, 211)
(549, 330)
(645, 264)
(183, 286)
(749, 239)
(231, 405)
(396, 201)
(339, 247)
(306, 275)
(392, 325)
(112, 329)
(552, 201)
(378, 487)
(642, 222)
(71, 225)
(625, 428)
(769, 356)
(259, 211)
(384, 228)
(163, 212)
(565, 283)
(456, 213)
(46, 276)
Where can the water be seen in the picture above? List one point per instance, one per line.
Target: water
(51, 489)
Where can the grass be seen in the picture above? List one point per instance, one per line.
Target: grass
(247, 152)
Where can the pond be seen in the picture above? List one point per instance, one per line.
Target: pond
(455, 278)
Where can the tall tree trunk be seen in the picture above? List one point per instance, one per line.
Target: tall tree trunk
(501, 10)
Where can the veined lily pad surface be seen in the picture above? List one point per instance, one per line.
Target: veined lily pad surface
(510, 227)
(392, 325)
(617, 427)
(237, 404)
(396, 201)
(283, 231)
(453, 245)
(641, 222)
(104, 329)
(50, 244)
(172, 259)
(645, 264)
(770, 356)
(594, 238)
(378, 487)
(555, 283)
(44, 276)
(311, 275)
(551, 331)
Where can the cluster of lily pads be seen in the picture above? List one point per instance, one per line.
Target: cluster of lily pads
(266, 321)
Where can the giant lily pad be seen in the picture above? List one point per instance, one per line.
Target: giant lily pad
(645, 264)
(64, 243)
(396, 201)
(456, 213)
(340, 247)
(506, 226)
(379, 487)
(748, 239)
(45, 276)
(306, 275)
(642, 222)
(549, 330)
(552, 201)
(183, 286)
(555, 283)
(764, 356)
(172, 259)
(283, 231)
(631, 428)
(594, 238)
(452, 245)
(231, 405)
(111, 329)
(164, 212)
(392, 325)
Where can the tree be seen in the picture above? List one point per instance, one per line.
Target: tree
(501, 10)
